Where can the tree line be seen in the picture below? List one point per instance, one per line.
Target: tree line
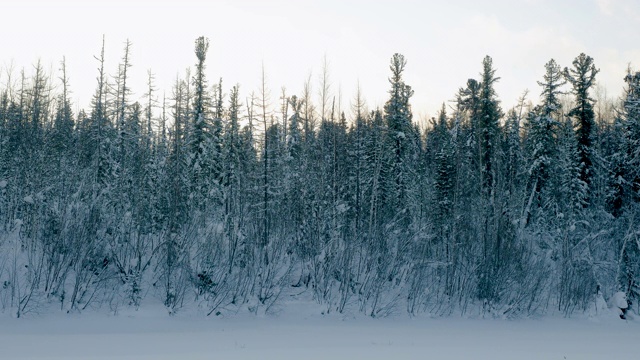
(242, 204)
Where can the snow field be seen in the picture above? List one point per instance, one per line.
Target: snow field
(148, 335)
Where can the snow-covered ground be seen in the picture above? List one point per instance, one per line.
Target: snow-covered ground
(152, 335)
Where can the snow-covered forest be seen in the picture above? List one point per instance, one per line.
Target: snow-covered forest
(234, 201)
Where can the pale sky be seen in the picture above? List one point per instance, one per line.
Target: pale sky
(444, 43)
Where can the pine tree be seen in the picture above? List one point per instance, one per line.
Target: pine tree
(174, 259)
(513, 144)
(231, 157)
(201, 102)
(375, 169)
(627, 181)
(573, 190)
(63, 124)
(468, 142)
(100, 129)
(541, 130)
(488, 132)
(512, 171)
(203, 139)
(445, 170)
(489, 115)
(582, 78)
(631, 122)
(294, 133)
(401, 139)
(38, 100)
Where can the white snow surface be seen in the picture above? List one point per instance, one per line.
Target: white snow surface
(148, 334)
(619, 300)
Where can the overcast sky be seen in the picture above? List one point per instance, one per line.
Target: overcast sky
(444, 42)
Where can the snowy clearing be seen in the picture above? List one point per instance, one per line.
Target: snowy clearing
(153, 336)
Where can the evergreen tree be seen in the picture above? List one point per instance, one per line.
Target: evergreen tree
(63, 124)
(445, 174)
(627, 182)
(100, 129)
(231, 153)
(38, 100)
(201, 102)
(489, 115)
(573, 190)
(294, 134)
(203, 139)
(488, 118)
(401, 139)
(513, 150)
(631, 122)
(122, 202)
(582, 78)
(541, 130)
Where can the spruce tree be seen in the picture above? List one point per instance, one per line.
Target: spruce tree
(401, 138)
(201, 101)
(489, 115)
(445, 180)
(203, 142)
(542, 130)
(63, 124)
(627, 183)
(582, 78)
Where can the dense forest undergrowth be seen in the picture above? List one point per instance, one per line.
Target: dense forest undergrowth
(231, 203)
